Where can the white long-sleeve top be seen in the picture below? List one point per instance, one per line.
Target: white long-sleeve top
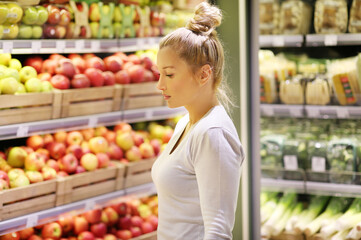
(197, 184)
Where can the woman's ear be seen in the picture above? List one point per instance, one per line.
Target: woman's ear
(205, 74)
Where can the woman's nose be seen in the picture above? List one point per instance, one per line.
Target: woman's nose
(161, 84)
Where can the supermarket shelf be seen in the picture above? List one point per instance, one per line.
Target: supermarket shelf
(311, 111)
(281, 40)
(282, 185)
(52, 214)
(48, 46)
(319, 40)
(87, 121)
(346, 190)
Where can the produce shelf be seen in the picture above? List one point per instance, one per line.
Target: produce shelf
(319, 40)
(48, 46)
(281, 40)
(88, 121)
(282, 110)
(271, 184)
(333, 189)
(52, 214)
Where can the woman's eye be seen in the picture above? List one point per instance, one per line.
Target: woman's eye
(169, 75)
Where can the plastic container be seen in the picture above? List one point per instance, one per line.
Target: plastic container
(295, 17)
(330, 16)
(317, 164)
(318, 91)
(354, 24)
(292, 91)
(269, 11)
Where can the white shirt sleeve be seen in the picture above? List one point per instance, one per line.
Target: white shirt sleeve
(217, 160)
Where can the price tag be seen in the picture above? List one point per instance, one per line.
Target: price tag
(278, 41)
(93, 121)
(36, 46)
(95, 45)
(22, 131)
(141, 43)
(331, 40)
(152, 42)
(267, 111)
(318, 164)
(290, 162)
(342, 112)
(60, 46)
(313, 112)
(8, 47)
(32, 221)
(89, 205)
(296, 112)
(79, 45)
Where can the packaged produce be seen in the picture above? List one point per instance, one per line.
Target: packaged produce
(343, 74)
(354, 25)
(294, 158)
(342, 159)
(295, 17)
(292, 91)
(318, 92)
(330, 16)
(311, 66)
(271, 155)
(317, 164)
(269, 11)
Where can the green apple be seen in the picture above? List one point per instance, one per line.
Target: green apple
(30, 16)
(11, 31)
(25, 31)
(5, 59)
(3, 13)
(117, 26)
(10, 72)
(15, 13)
(21, 89)
(117, 14)
(33, 85)
(15, 64)
(20, 181)
(37, 32)
(42, 15)
(9, 85)
(94, 28)
(16, 157)
(27, 73)
(1, 31)
(3, 70)
(46, 86)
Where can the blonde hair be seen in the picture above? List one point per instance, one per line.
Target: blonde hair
(198, 44)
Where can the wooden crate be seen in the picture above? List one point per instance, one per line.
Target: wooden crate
(89, 184)
(148, 236)
(26, 2)
(29, 107)
(316, 237)
(16, 202)
(288, 236)
(93, 100)
(138, 173)
(141, 95)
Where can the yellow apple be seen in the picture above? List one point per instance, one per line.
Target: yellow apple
(11, 31)
(15, 13)
(15, 64)
(9, 85)
(3, 13)
(5, 59)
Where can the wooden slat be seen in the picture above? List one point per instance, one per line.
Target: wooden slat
(87, 108)
(138, 173)
(148, 236)
(93, 190)
(120, 177)
(143, 102)
(85, 94)
(26, 99)
(39, 207)
(30, 203)
(136, 89)
(12, 116)
(142, 165)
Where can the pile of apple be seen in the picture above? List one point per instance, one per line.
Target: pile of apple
(10, 16)
(64, 153)
(32, 22)
(121, 220)
(16, 79)
(89, 70)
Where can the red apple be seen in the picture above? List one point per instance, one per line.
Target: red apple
(133, 154)
(5, 177)
(114, 151)
(80, 169)
(53, 14)
(134, 59)
(136, 231)
(125, 222)
(35, 142)
(53, 164)
(44, 152)
(152, 219)
(127, 65)
(34, 162)
(35, 62)
(156, 144)
(138, 139)
(99, 229)
(60, 81)
(2, 155)
(68, 163)
(93, 216)
(124, 234)
(147, 62)
(103, 160)
(48, 173)
(109, 78)
(110, 136)
(136, 74)
(79, 63)
(87, 56)
(86, 236)
(147, 227)
(112, 215)
(10, 236)
(146, 150)
(122, 56)
(62, 174)
(49, 31)
(148, 76)
(95, 62)
(65, 17)
(113, 63)
(122, 126)
(65, 67)
(76, 150)
(121, 208)
(71, 56)
(26, 233)
(66, 222)
(48, 66)
(74, 138)
(80, 225)
(122, 77)
(136, 221)
(34, 237)
(57, 150)
(56, 56)
(167, 135)
(51, 230)
(110, 237)
(95, 77)
(48, 138)
(45, 76)
(87, 133)
(80, 81)
(155, 72)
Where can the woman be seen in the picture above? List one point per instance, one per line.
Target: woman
(197, 175)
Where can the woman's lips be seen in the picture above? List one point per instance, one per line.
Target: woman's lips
(166, 97)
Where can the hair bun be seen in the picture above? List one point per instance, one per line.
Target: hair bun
(206, 19)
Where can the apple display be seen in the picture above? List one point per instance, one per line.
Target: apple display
(124, 140)
(122, 77)
(26, 73)
(80, 81)
(109, 78)
(34, 162)
(60, 82)
(51, 230)
(68, 163)
(95, 77)
(9, 85)
(30, 16)
(98, 144)
(133, 154)
(93, 216)
(16, 157)
(34, 176)
(57, 150)
(48, 173)
(136, 73)
(33, 85)
(89, 161)
(65, 67)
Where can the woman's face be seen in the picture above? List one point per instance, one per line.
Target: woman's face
(177, 82)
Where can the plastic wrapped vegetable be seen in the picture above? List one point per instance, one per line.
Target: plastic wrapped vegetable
(295, 17)
(317, 163)
(342, 160)
(292, 91)
(318, 92)
(271, 155)
(354, 25)
(330, 16)
(294, 158)
(269, 11)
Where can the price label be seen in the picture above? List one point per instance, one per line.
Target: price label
(331, 40)
(60, 46)
(89, 205)
(267, 111)
(93, 121)
(342, 112)
(296, 112)
(32, 221)
(95, 45)
(141, 43)
(22, 131)
(318, 164)
(278, 41)
(8, 47)
(79, 45)
(312, 112)
(290, 162)
(152, 42)
(36, 46)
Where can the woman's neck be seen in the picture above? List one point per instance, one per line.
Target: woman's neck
(200, 108)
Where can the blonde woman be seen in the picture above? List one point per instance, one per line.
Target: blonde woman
(197, 175)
